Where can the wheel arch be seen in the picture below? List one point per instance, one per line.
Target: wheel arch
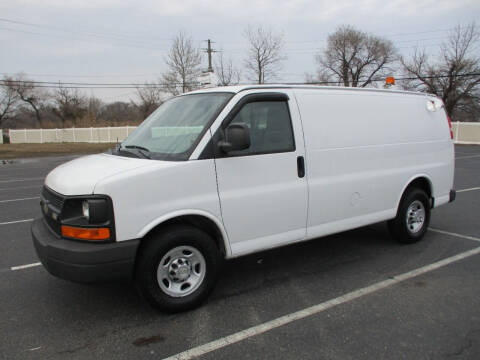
(421, 181)
(197, 218)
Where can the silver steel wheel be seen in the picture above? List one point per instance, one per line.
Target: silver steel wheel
(415, 216)
(181, 271)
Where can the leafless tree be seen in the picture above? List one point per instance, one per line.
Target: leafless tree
(447, 75)
(150, 96)
(172, 84)
(119, 112)
(30, 94)
(8, 98)
(94, 109)
(183, 62)
(226, 73)
(69, 104)
(354, 58)
(264, 55)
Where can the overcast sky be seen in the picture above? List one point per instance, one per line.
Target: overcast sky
(107, 41)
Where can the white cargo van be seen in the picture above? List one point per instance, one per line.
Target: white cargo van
(225, 172)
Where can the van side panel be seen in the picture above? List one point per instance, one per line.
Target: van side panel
(362, 149)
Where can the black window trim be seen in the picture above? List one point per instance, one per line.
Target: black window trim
(211, 151)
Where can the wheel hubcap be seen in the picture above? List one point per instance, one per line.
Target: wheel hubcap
(181, 271)
(415, 216)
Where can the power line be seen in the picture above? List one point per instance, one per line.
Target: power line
(397, 78)
(97, 87)
(421, 46)
(60, 83)
(135, 40)
(93, 34)
(68, 38)
(416, 40)
(383, 35)
(300, 51)
(426, 32)
(81, 85)
(43, 84)
(307, 51)
(85, 76)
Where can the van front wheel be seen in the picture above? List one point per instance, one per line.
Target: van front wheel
(413, 217)
(177, 269)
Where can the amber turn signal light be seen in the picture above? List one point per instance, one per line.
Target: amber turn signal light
(86, 233)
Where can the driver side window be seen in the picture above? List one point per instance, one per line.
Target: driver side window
(270, 127)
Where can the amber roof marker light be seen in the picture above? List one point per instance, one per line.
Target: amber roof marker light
(390, 80)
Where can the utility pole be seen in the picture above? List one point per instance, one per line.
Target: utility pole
(209, 51)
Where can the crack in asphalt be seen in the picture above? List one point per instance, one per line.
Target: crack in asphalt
(466, 346)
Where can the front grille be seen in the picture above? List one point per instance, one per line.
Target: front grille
(53, 224)
(52, 204)
(52, 198)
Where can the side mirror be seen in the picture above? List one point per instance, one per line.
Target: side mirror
(237, 137)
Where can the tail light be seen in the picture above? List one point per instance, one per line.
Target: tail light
(450, 126)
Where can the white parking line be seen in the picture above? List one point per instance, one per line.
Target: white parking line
(17, 180)
(316, 309)
(454, 234)
(15, 222)
(471, 189)
(35, 348)
(466, 157)
(22, 199)
(13, 268)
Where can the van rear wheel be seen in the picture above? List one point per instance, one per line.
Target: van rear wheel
(178, 268)
(413, 217)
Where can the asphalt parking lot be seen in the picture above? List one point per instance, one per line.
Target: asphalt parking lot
(354, 295)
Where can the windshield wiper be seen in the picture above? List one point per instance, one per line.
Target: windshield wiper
(142, 150)
(136, 147)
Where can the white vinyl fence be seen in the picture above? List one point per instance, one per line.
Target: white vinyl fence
(464, 133)
(72, 135)
(1, 136)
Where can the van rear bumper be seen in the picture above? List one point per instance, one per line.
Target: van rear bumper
(81, 261)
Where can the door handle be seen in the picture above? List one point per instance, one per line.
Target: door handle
(301, 166)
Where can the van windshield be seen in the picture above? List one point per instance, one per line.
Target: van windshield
(173, 131)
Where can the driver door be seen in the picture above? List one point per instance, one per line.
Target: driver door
(263, 189)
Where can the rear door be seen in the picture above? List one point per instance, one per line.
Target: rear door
(263, 189)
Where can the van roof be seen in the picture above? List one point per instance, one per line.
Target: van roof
(238, 88)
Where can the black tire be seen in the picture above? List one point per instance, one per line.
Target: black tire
(151, 254)
(399, 228)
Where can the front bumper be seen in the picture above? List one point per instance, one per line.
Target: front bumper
(82, 261)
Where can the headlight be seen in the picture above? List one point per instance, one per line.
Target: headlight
(88, 218)
(93, 211)
(86, 210)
